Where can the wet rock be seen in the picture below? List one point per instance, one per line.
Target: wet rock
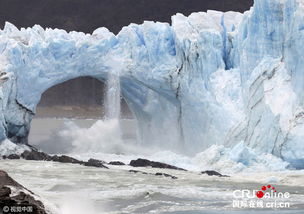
(156, 174)
(213, 173)
(117, 163)
(22, 196)
(6, 180)
(66, 159)
(5, 192)
(11, 157)
(145, 163)
(95, 163)
(165, 175)
(136, 171)
(36, 155)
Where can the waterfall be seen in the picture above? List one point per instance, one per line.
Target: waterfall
(104, 136)
(113, 97)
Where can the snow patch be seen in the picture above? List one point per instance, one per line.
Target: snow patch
(7, 148)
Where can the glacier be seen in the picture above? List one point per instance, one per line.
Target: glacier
(212, 78)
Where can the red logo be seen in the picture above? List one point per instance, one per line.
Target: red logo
(261, 193)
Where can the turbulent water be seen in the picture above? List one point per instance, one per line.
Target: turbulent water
(68, 188)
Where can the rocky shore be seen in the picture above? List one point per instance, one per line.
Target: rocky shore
(14, 198)
(34, 154)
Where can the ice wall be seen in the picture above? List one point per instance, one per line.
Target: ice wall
(210, 78)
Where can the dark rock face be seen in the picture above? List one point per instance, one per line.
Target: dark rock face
(213, 173)
(144, 163)
(66, 159)
(41, 156)
(5, 192)
(35, 155)
(95, 163)
(117, 163)
(11, 157)
(6, 180)
(21, 199)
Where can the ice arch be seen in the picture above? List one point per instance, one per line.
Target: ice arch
(160, 72)
(152, 60)
(41, 59)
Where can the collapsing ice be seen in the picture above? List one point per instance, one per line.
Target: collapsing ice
(113, 97)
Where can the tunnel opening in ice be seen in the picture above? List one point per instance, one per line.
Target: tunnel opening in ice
(82, 97)
(78, 103)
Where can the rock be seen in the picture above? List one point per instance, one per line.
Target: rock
(117, 163)
(156, 174)
(5, 192)
(11, 157)
(25, 197)
(6, 180)
(36, 155)
(95, 163)
(144, 163)
(135, 171)
(66, 159)
(166, 175)
(22, 197)
(213, 173)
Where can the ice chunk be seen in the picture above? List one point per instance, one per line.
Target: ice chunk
(7, 148)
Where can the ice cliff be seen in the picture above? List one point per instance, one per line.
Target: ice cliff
(210, 78)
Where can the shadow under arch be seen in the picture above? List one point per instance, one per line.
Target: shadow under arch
(81, 97)
(81, 100)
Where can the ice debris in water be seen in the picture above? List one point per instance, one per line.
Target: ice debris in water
(7, 148)
(238, 159)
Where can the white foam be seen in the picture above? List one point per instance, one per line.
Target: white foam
(101, 136)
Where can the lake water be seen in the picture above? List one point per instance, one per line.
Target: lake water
(76, 189)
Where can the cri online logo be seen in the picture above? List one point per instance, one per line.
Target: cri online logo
(265, 197)
(261, 193)
(267, 191)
